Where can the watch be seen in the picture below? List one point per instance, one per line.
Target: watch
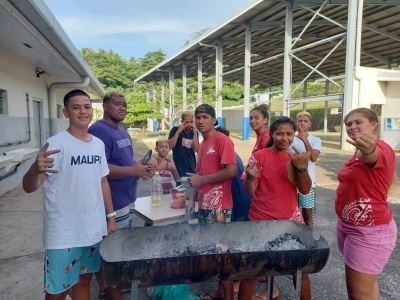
(302, 169)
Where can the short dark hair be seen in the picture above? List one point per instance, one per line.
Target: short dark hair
(222, 130)
(275, 124)
(72, 94)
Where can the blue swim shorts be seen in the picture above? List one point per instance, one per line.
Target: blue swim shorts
(62, 267)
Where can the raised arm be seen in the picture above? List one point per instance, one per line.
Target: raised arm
(36, 174)
(249, 187)
(300, 161)
(174, 138)
(314, 153)
(195, 144)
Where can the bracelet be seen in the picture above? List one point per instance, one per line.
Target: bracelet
(368, 153)
(111, 214)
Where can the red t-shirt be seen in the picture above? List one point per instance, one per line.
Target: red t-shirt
(361, 198)
(262, 140)
(276, 196)
(213, 154)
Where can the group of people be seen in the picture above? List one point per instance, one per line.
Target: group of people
(88, 176)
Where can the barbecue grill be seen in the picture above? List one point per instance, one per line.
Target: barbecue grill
(190, 253)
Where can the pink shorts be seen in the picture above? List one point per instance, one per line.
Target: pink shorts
(366, 249)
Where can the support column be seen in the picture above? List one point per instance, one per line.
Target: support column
(184, 96)
(349, 69)
(247, 62)
(199, 78)
(149, 121)
(218, 81)
(305, 93)
(326, 107)
(270, 105)
(287, 61)
(162, 101)
(171, 97)
(155, 121)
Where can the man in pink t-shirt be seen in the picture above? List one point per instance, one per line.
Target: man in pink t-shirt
(216, 166)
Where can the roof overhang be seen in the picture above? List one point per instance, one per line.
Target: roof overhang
(31, 22)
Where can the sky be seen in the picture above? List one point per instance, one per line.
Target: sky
(135, 27)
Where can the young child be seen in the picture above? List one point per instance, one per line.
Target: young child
(267, 179)
(72, 168)
(165, 166)
(307, 142)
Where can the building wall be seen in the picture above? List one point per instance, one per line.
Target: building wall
(23, 91)
(233, 119)
(391, 109)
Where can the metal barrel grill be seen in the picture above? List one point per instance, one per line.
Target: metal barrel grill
(192, 253)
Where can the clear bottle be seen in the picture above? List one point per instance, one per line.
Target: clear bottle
(156, 190)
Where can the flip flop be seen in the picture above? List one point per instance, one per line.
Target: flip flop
(259, 297)
(209, 296)
(103, 296)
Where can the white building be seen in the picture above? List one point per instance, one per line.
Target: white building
(38, 66)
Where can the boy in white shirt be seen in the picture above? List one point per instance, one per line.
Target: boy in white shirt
(307, 142)
(72, 168)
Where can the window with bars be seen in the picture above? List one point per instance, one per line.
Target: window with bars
(59, 111)
(3, 107)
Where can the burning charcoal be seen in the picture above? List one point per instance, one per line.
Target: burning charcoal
(285, 242)
(201, 249)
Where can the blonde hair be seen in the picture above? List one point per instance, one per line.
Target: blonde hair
(113, 93)
(303, 114)
(161, 140)
(186, 114)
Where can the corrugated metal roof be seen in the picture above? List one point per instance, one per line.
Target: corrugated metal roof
(377, 50)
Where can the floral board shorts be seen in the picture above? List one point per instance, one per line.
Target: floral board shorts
(62, 267)
(215, 216)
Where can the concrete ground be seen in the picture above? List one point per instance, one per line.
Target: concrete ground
(21, 251)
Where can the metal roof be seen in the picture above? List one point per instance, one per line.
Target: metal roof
(380, 41)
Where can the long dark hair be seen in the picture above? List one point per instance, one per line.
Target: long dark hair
(274, 126)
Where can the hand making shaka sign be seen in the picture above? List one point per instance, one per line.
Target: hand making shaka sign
(367, 141)
(43, 162)
(299, 159)
(252, 171)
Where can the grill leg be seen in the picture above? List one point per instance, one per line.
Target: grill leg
(298, 284)
(270, 288)
(135, 290)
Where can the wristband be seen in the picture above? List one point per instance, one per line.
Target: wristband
(111, 214)
(368, 153)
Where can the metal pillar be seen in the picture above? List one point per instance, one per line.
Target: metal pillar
(218, 81)
(162, 101)
(184, 96)
(199, 77)
(326, 107)
(247, 61)
(149, 121)
(171, 96)
(305, 92)
(349, 70)
(287, 68)
(155, 121)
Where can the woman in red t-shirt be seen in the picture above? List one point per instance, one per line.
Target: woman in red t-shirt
(366, 231)
(269, 178)
(258, 122)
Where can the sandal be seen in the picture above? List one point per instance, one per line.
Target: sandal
(209, 297)
(259, 297)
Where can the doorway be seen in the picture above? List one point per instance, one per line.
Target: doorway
(37, 128)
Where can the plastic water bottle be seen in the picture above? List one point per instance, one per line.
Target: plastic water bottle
(156, 190)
